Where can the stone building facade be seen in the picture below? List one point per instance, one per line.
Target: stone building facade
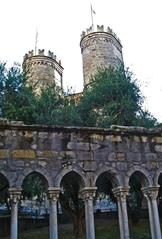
(99, 48)
(42, 69)
(89, 152)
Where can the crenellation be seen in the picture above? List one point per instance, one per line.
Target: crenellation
(50, 54)
(41, 52)
(42, 69)
(100, 28)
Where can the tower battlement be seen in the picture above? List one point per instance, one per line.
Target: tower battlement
(99, 29)
(42, 69)
(41, 52)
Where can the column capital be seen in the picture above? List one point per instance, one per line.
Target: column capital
(121, 192)
(15, 194)
(53, 193)
(88, 193)
(151, 192)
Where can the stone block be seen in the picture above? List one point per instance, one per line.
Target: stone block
(144, 139)
(20, 163)
(116, 138)
(83, 156)
(78, 146)
(137, 139)
(121, 157)
(90, 166)
(101, 155)
(112, 156)
(150, 156)
(43, 135)
(135, 147)
(95, 146)
(4, 153)
(1, 144)
(42, 164)
(133, 157)
(47, 154)
(121, 166)
(26, 154)
(157, 140)
(70, 155)
(28, 135)
(97, 137)
(158, 148)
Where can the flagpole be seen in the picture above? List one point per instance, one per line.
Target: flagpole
(36, 41)
(92, 17)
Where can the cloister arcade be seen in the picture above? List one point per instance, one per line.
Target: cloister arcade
(101, 159)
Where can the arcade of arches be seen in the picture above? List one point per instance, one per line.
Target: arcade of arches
(116, 154)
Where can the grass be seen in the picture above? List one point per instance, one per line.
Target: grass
(105, 229)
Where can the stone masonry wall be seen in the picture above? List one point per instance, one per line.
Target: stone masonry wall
(55, 151)
(99, 49)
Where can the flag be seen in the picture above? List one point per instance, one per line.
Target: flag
(92, 11)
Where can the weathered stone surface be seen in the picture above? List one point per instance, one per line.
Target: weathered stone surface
(4, 153)
(56, 151)
(100, 155)
(158, 148)
(157, 140)
(121, 157)
(151, 156)
(42, 163)
(47, 154)
(83, 156)
(112, 156)
(136, 157)
(114, 138)
(26, 154)
(78, 146)
(90, 166)
(96, 137)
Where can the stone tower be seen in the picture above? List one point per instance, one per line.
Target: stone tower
(99, 48)
(42, 69)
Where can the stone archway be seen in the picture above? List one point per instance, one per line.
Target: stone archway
(71, 203)
(106, 211)
(4, 206)
(34, 204)
(141, 188)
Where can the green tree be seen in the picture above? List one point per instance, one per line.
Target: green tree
(17, 100)
(49, 105)
(113, 97)
(35, 186)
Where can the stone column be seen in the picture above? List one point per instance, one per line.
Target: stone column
(151, 194)
(53, 198)
(88, 194)
(15, 195)
(120, 193)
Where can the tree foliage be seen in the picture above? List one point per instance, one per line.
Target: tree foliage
(35, 186)
(113, 97)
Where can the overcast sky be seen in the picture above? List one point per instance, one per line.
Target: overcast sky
(60, 23)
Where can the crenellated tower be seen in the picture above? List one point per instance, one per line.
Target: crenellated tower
(99, 48)
(42, 69)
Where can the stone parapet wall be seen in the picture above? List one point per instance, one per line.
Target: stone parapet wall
(54, 151)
